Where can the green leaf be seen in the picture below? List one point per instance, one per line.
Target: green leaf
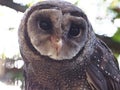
(116, 55)
(116, 36)
(76, 3)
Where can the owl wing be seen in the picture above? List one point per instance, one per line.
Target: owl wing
(103, 72)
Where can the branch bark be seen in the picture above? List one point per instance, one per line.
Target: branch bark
(11, 4)
(117, 9)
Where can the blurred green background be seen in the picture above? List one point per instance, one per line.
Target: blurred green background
(103, 14)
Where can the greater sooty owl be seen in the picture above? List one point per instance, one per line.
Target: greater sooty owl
(61, 51)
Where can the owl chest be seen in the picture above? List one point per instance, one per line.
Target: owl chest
(58, 79)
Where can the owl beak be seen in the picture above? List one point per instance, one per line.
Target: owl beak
(57, 44)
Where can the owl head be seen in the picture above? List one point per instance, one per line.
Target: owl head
(55, 29)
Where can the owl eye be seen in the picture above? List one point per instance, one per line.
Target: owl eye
(74, 30)
(45, 24)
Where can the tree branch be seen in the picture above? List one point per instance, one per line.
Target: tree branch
(11, 4)
(117, 9)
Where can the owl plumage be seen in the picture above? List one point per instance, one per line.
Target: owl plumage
(61, 51)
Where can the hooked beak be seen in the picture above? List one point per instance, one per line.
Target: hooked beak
(57, 44)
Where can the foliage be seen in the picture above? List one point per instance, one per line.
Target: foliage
(116, 36)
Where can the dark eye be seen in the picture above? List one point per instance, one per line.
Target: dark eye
(45, 24)
(74, 30)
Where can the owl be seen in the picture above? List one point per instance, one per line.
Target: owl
(61, 51)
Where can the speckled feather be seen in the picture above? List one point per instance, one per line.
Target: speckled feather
(84, 63)
(103, 71)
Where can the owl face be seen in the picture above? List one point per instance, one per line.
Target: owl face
(57, 32)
